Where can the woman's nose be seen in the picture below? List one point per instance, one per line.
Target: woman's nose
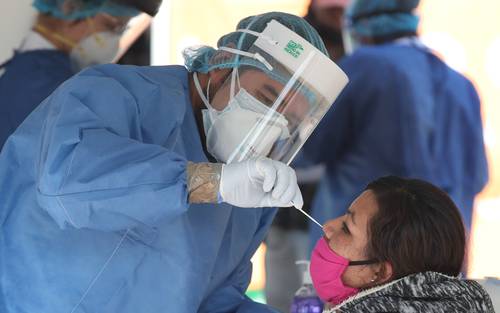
(328, 230)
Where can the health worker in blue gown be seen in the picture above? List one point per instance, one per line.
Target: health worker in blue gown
(147, 189)
(68, 35)
(404, 112)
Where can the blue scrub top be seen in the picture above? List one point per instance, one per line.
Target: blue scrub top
(29, 78)
(406, 113)
(94, 208)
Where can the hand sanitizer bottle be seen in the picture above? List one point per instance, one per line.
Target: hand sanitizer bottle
(306, 300)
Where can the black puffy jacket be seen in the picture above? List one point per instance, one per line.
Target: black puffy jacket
(428, 292)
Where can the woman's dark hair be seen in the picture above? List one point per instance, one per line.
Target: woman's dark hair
(417, 228)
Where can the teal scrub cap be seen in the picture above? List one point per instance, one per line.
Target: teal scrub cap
(204, 58)
(78, 9)
(375, 18)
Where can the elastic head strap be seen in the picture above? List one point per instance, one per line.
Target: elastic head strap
(255, 56)
(257, 34)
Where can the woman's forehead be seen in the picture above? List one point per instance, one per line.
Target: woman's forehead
(364, 206)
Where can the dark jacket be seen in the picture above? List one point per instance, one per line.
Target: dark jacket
(29, 78)
(428, 292)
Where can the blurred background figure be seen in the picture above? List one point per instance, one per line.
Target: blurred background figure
(68, 35)
(404, 112)
(288, 240)
(327, 17)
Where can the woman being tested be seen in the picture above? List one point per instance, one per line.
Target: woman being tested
(399, 248)
(109, 200)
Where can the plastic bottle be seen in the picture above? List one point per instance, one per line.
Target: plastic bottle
(306, 300)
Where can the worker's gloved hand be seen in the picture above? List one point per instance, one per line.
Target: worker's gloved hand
(258, 183)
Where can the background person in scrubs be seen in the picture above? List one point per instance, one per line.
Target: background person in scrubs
(68, 36)
(404, 113)
(109, 203)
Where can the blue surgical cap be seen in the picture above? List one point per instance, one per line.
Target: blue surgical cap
(375, 18)
(78, 9)
(204, 59)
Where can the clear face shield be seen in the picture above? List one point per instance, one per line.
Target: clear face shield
(271, 103)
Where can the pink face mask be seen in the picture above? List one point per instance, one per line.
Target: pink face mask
(327, 268)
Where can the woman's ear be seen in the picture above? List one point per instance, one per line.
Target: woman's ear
(385, 272)
(382, 273)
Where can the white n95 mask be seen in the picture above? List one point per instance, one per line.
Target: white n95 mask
(230, 132)
(98, 48)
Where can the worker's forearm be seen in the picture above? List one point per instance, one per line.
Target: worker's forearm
(203, 182)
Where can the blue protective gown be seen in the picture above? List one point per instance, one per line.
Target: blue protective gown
(94, 208)
(28, 79)
(403, 113)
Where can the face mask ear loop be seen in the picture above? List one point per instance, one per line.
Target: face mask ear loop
(238, 80)
(45, 31)
(364, 262)
(234, 79)
(208, 89)
(200, 91)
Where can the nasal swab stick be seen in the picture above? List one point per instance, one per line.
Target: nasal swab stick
(310, 217)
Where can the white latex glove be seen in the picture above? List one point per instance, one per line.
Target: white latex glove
(259, 183)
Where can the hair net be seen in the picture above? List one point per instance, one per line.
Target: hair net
(373, 18)
(204, 58)
(77, 9)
